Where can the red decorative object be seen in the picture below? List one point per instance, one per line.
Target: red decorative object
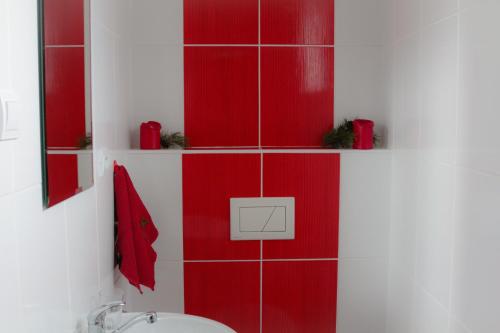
(363, 134)
(150, 135)
(297, 96)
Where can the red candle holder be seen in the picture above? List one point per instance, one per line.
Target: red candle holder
(150, 135)
(363, 134)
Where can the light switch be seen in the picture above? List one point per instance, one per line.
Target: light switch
(262, 218)
(8, 116)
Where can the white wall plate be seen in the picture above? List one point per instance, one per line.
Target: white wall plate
(262, 218)
(8, 116)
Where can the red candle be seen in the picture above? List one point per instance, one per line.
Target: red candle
(363, 134)
(150, 135)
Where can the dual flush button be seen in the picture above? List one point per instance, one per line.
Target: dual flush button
(262, 218)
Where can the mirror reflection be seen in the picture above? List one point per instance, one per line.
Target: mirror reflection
(66, 108)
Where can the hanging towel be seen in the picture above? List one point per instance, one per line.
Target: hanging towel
(136, 233)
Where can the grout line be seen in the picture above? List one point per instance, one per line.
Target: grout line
(454, 215)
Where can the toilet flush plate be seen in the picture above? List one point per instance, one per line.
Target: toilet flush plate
(262, 218)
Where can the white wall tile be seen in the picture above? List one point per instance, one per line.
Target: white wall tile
(476, 293)
(158, 180)
(82, 251)
(5, 55)
(429, 316)
(435, 229)
(7, 167)
(169, 293)
(43, 263)
(360, 84)
(24, 68)
(434, 10)
(157, 87)
(361, 299)
(479, 81)
(361, 22)
(439, 90)
(406, 119)
(10, 305)
(456, 327)
(157, 22)
(364, 205)
(406, 18)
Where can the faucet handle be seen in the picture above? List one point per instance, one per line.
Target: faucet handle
(97, 316)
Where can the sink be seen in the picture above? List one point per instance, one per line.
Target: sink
(177, 323)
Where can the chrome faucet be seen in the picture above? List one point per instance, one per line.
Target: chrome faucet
(148, 317)
(96, 319)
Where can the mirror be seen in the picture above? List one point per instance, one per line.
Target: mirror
(64, 52)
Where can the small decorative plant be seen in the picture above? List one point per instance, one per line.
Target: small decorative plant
(85, 142)
(173, 140)
(342, 136)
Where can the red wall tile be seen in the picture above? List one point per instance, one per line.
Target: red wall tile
(221, 96)
(221, 21)
(62, 177)
(309, 22)
(209, 181)
(313, 179)
(64, 96)
(226, 292)
(299, 297)
(297, 95)
(64, 22)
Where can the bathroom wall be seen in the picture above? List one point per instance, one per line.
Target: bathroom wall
(360, 36)
(444, 230)
(362, 249)
(158, 82)
(57, 264)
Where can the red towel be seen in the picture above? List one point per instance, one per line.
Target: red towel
(136, 233)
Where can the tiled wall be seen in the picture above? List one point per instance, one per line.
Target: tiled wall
(258, 73)
(57, 264)
(362, 249)
(288, 286)
(444, 251)
(157, 69)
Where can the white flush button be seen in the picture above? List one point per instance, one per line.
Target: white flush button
(262, 218)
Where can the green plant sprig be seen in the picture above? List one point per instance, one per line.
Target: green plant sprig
(173, 140)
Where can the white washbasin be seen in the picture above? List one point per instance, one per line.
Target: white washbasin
(178, 323)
